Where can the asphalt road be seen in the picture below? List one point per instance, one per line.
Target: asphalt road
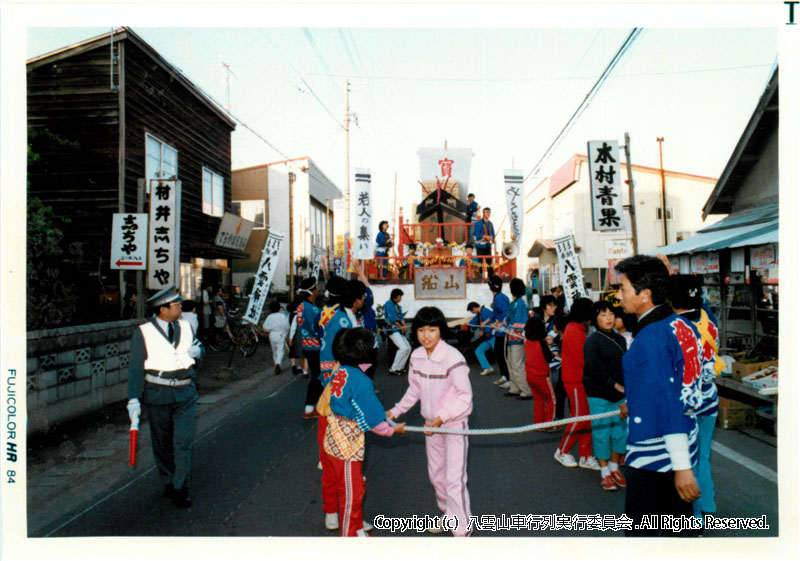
(255, 474)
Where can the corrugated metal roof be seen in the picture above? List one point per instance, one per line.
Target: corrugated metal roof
(770, 235)
(766, 213)
(739, 236)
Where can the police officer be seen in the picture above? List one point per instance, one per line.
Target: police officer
(162, 376)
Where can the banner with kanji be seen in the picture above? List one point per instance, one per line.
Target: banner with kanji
(512, 185)
(361, 219)
(266, 269)
(162, 255)
(129, 241)
(570, 270)
(604, 181)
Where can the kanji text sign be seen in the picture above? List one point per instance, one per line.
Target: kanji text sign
(362, 216)
(266, 270)
(604, 179)
(129, 242)
(435, 282)
(162, 256)
(570, 269)
(234, 231)
(512, 185)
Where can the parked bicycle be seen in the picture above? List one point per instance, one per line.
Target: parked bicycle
(234, 334)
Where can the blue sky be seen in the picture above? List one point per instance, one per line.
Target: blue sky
(505, 93)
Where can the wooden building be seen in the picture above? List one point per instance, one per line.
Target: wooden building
(105, 116)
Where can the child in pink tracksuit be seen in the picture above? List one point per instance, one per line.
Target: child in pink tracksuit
(438, 376)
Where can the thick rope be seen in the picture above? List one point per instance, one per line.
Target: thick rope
(509, 430)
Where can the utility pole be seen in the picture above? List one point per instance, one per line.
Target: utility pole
(347, 158)
(292, 177)
(631, 199)
(228, 73)
(328, 234)
(660, 141)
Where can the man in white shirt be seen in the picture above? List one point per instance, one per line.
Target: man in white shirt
(277, 325)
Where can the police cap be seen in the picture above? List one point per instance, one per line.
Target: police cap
(164, 297)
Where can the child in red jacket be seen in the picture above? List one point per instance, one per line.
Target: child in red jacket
(580, 316)
(537, 372)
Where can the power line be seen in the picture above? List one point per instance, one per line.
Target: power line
(303, 80)
(323, 63)
(587, 99)
(539, 79)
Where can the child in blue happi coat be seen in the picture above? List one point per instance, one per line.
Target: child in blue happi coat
(354, 411)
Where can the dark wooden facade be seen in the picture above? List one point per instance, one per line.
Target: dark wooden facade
(104, 106)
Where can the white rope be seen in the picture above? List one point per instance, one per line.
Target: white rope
(509, 430)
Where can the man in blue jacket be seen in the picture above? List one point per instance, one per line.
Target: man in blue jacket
(662, 387)
(484, 239)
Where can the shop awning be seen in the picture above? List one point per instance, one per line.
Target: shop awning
(752, 227)
(209, 251)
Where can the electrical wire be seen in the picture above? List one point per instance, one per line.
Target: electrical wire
(586, 100)
(306, 84)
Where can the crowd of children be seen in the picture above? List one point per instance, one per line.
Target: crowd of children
(542, 355)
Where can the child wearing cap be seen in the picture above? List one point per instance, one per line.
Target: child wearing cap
(438, 376)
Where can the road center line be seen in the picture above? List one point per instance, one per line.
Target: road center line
(744, 461)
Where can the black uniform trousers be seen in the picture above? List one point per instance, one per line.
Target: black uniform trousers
(171, 430)
(500, 356)
(314, 385)
(653, 493)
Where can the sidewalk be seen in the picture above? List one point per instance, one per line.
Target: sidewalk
(80, 462)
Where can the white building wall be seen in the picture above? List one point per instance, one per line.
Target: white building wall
(570, 210)
(278, 181)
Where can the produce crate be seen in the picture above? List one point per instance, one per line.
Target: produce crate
(735, 414)
(742, 369)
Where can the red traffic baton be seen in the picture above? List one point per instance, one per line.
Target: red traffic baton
(134, 437)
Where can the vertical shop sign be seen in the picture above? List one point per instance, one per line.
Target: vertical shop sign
(129, 242)
(604, 180)
(162, 258)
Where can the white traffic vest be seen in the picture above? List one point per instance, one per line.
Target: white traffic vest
(161, 355)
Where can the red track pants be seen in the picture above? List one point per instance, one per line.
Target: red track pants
(544, 398)
(350, 490)
(582, 432)
(330, 498)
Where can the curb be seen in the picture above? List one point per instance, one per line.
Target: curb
(61, 491)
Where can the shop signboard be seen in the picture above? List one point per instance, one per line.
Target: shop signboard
(605, 185)
(129, 241)
(763, 256)
(164, 235)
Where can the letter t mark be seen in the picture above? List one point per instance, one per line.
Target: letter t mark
(791, 5)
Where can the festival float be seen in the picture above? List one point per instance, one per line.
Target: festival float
(429, 259)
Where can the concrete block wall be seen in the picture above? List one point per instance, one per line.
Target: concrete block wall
(75, 370)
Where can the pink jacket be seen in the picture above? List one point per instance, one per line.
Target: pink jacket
(441, 381)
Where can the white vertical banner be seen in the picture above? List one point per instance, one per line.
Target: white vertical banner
(361, 218)
(316, 261)
(162, 257)
(512, 184)
(571, 274)
(266, 269)
(604, 180)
